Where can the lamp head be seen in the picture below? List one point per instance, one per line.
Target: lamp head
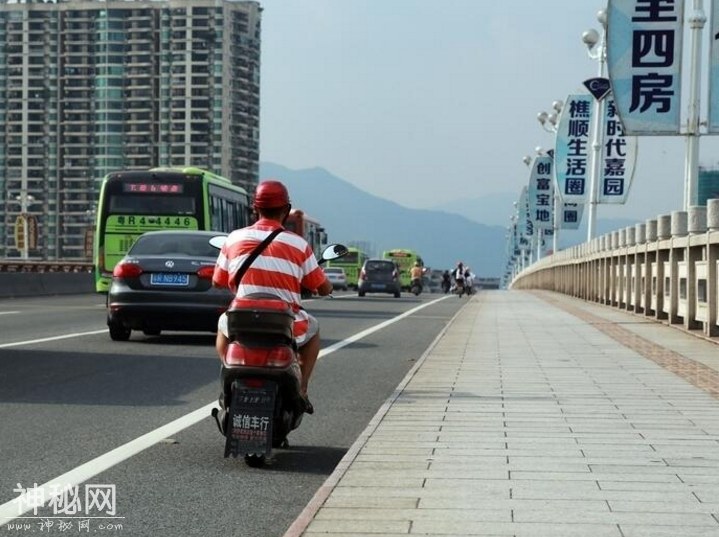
(553, 118)
(557, 105)
(602, 17)
(527, 160)
(542, 117)
(590, 38)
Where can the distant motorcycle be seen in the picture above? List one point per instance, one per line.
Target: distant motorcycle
(459, 288)
(416, 287)
(261, 375)
(446, 285)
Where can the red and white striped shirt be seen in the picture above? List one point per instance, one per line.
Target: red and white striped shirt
(285, 266)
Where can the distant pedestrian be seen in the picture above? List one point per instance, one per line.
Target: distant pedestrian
(468, 280)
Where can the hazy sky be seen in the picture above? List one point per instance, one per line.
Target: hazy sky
(426, 101)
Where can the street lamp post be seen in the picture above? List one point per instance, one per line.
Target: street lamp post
(691, 166)
(597, 50)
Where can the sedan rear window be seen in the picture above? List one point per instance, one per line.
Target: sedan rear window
(175, 244)
(381, 266)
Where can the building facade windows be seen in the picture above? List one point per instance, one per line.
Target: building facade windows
(108, 88)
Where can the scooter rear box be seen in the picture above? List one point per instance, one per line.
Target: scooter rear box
(260, 317)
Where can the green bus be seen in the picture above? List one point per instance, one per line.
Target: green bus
(404, 259)
(351, 263)
(135, 201)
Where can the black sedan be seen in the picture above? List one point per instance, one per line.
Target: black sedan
(165, 283)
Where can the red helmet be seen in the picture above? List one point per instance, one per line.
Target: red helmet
(271, 195)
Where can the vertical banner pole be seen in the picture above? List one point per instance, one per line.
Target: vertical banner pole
(597, 143)
(691, 167)
(557, 208)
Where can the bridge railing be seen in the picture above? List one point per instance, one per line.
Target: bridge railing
(19, 265)
(664, 269)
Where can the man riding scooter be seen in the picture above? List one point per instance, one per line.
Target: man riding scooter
(415, 275)
(285, 266)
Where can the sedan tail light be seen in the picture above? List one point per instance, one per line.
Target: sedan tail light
(127, 270)
(362, 275)
(206, 272)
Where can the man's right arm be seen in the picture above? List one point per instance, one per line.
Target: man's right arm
(325, 289)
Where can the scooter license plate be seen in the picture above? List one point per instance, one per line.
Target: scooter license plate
(249, 430)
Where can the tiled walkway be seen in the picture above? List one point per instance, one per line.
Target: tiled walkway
(538, 415)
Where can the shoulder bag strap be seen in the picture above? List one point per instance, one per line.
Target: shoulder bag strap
(257, 251)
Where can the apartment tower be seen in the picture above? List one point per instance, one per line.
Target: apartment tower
(90, 87)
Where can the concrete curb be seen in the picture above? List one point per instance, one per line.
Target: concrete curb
(23, 284)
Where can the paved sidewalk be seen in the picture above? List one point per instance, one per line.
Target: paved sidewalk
(538, 415)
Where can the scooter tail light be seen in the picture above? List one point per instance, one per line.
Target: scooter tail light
(239, 355)
(280, 357)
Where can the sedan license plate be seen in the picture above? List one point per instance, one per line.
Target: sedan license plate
(378, 286)
(170, 279)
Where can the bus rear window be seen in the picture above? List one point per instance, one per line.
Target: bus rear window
(350, 257)
(151, 204)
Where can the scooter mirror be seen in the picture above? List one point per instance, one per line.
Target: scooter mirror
(334, 251)
(218, 241)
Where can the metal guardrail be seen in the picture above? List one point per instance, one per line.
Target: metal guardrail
(14, 265)
(666, 269)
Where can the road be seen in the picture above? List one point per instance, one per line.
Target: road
(70, 395)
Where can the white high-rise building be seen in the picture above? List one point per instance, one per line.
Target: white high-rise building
(89, 87)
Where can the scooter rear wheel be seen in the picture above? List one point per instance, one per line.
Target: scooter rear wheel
(255, 461)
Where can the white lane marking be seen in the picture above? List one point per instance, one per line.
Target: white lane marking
(8, 312)
(53, 338)
(16, 507)
(380, 326)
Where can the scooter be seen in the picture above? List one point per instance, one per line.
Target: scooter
(261, 375)
(416, 287)
(446, 286)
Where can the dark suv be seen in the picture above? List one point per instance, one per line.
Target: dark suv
(379, 276)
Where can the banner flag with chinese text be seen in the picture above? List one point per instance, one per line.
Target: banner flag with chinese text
(541, 193)
(619, 156)
(571, 215)
(644, 56)
(572, 147)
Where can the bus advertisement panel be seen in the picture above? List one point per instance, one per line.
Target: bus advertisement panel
(405, 260)
(351, 263)
(135, 201)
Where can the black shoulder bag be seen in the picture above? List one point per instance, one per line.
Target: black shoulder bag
(257, 251)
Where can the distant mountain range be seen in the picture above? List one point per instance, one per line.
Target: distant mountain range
(471, 230)
(495, 209)
(351, 215)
